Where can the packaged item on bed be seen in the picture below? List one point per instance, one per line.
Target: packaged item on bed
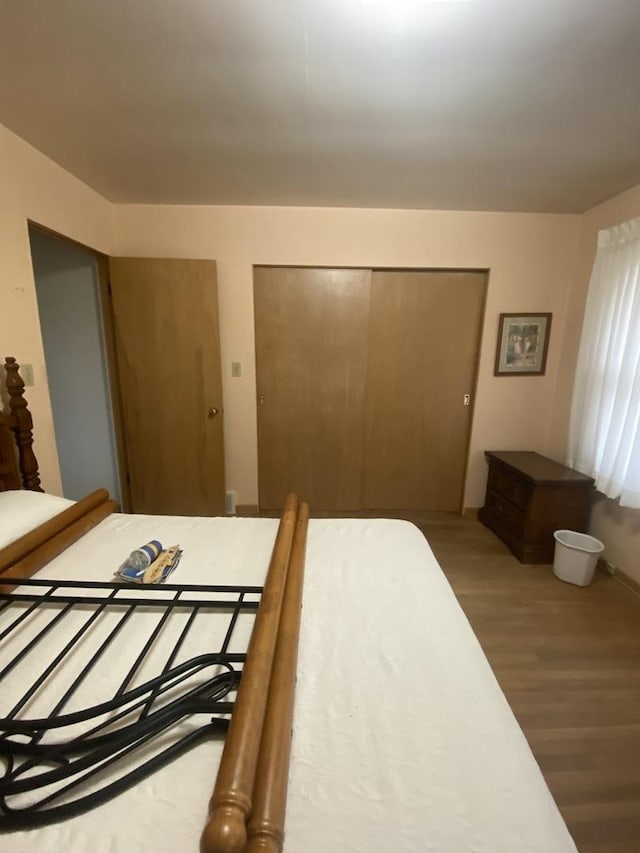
(165, 562)
(138, 561)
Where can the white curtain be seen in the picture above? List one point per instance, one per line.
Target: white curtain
(604, 435)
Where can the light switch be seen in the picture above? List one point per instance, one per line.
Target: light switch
(236, 369)
(26, 371)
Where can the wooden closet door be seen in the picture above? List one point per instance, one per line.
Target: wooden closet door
(311, 361)
(423, 346)
(165, 315)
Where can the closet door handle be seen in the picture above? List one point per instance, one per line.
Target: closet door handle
(212, 413)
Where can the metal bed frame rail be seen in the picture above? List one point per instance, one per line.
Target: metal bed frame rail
(45, 757)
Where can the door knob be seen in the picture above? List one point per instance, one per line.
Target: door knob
(212, 413)
(261, 399)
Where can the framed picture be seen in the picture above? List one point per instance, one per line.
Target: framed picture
(523, 341)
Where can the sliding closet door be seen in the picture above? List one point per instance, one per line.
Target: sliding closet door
(165, 316)
(311, 361)
(424, 338)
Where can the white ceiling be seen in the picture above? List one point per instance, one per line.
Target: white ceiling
(485, 104)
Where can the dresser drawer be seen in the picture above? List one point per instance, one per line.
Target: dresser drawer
(509, 518)
(509, 487)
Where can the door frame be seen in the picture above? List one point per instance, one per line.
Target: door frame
(111, 359)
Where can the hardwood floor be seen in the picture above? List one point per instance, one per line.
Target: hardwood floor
(568, 661)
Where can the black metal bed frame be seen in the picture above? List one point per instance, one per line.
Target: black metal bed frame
(44, 759)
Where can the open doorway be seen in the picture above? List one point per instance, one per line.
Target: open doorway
(69, 305)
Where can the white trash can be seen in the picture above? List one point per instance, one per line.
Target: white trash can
(575, 557)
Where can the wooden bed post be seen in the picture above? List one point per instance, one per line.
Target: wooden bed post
(23, 426)
(230, 805)
(266, 824)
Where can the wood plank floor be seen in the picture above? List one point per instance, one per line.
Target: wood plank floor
(568, 660)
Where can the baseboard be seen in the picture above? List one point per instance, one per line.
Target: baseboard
(471, 512)
(627, 582)
(246, 509)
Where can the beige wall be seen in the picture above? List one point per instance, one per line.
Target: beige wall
(530, 257)
(618, 528)
(33, 187)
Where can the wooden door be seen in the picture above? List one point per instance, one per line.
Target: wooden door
(311, 361)
(424, 340)
(165, 315)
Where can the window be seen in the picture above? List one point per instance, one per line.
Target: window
(604, 435)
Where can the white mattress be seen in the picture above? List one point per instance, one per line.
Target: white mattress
(403, 740)
(22, 511)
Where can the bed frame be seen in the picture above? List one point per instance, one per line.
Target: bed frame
(18, 464)
(247, 807)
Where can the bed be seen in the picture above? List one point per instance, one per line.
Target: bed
(403, 740)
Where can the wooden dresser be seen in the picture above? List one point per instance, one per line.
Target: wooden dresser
(528, 497)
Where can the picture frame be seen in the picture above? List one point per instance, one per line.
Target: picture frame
(523, 343)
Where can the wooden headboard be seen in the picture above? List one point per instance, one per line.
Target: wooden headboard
(18, 464)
